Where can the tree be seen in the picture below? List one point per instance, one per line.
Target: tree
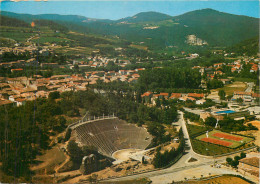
(240, 100)
(210, 121)
(143, 160)
(158, 102)
(237, 158)
(234, 163)
(54, 95)
(213, 84)
(229, 160)
(75, 152)
(242, 155)
(67, 135)
(222, 94)
(76, 67)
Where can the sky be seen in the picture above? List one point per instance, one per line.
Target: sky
(120, 9)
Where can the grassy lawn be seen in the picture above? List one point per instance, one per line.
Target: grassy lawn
(244, 79)
(17, 36)
(194, 129)
(235, 144)
(74, 50)
(139, 46)
(208, 149)
(48, 39)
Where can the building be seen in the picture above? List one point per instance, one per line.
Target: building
(147, 96)
(246, 96)
(175, 95)
(196, 95)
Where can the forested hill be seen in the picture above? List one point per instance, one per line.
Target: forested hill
(52, 25)
(12, 22)
(218, 27)
(146, 17)
(56, 17)
(248, 47)
(158, 31)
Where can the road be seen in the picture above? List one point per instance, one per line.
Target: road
(180, 169)
(182, 164)
(250, 86)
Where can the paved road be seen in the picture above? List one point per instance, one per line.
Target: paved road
(250, 86)
(183, 164)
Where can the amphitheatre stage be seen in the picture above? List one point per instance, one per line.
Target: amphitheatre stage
(111, 135)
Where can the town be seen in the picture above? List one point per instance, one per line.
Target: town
(87, 100)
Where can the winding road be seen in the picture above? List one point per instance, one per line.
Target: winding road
(182, 165)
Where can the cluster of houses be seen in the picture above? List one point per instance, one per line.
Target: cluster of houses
(100, 61)
(150, 98)
(245, 96)
(19, 90)
(236, 66)
(18, 50)
(130, 76)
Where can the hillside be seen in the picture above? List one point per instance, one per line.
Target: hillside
(146, 17)
(206, 27)
(56, 17)
(248, 47)
(7, 21)
(220, 28)
(53, 25)
(47, 33)
(200, 27)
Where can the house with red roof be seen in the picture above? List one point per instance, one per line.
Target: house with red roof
(186, 98)
(16, 70)
(147, 97)
(175, 96)
(196, 95)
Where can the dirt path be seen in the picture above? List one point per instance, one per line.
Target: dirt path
(56, 169)
(50, 157)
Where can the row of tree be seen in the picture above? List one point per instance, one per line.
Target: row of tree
(229, 124)
(164, 159)
(169, 77)
(234, 163)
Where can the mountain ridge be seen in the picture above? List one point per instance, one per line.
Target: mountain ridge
(157, 30)
(81, 17)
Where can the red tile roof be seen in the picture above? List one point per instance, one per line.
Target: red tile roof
(148, 93)
(175, 95)
(164, 94)
(196, 95)
(257, 95)
(241, 93)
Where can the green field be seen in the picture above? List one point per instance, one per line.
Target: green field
(194, 129)
(235, 144)
(49, 39)
(244, 79)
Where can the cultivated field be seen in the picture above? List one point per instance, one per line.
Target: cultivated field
(224, 139)
(220, 180)
(236, 86)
